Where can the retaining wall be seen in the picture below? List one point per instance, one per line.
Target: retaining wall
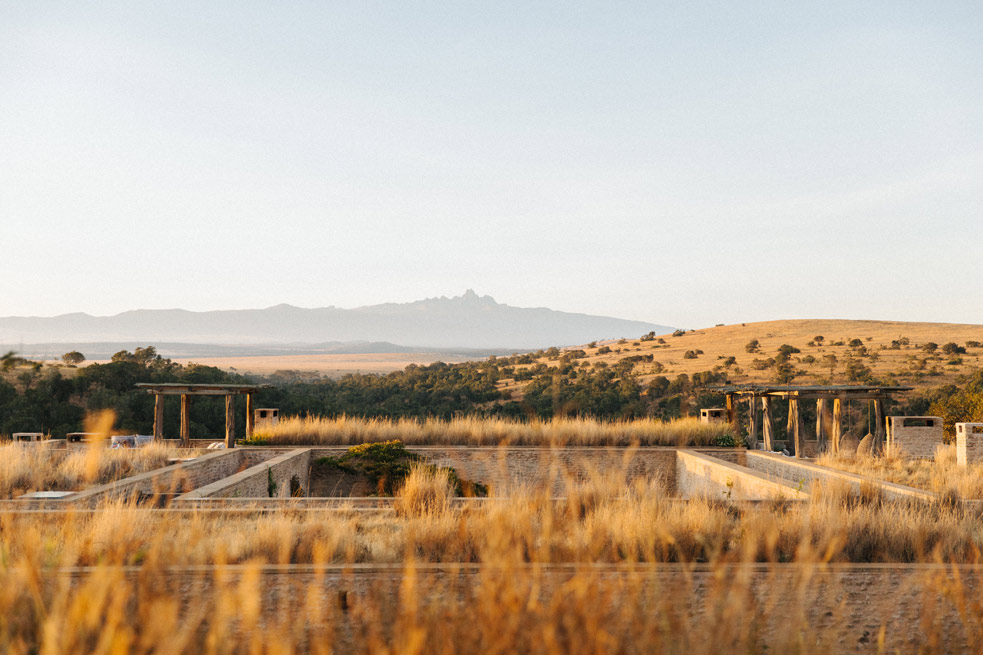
(502, 468)
(805, 474)
(701, 476)
(779, 608)
(270, 478)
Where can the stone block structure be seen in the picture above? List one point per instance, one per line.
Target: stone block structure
(969, 443)
(713, 415)
(914, 437)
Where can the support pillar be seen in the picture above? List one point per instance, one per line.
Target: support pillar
(755, 422)
(822, 421)
(185, 420)
(795, 421)
(879, 430)
(249, 416)
(158, 417)
(768, 426)
(731, 411)
(230, 420)
(837, 425)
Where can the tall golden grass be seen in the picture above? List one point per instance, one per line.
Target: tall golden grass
(474, 431)
(34, 467)
(536, 586)
(941, 474)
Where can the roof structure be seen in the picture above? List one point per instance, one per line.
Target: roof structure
(181, 388)
(762, 395)
(186, 391)
(813, 391)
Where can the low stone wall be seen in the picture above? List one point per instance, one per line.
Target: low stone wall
(257, 481)
(772, 607)
(169, 480)
(805, 474)
(701, 476)
(177, 478)
(502, 468)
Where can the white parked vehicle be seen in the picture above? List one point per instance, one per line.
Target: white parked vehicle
(131, 441)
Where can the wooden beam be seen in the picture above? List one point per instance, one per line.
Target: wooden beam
(731, 410)
(755, 422)
(158, 417)
(822, 421)
(186, 420)
(249, 416)
(880, 431)
(230, 420)
(795, 420)
(837, 432)
(768, 427)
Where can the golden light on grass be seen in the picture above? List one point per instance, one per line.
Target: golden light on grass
(476, 431)
(99, 425)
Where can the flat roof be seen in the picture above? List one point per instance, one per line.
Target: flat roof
(811, 390)
(182, 388)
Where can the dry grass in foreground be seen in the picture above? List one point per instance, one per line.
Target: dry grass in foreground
(471, 431)
(940, 475)
(25, 468)
(516, 600)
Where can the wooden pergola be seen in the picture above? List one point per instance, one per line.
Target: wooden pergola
(824, 395)
(230, 391)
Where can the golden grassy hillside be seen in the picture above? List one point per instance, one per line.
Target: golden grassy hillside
(907, 360)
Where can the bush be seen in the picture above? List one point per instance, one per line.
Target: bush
(679, 333)
(952, 348)
(725, 441)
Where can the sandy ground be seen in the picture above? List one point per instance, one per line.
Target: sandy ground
(329, 365)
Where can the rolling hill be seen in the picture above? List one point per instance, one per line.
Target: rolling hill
(886, 348)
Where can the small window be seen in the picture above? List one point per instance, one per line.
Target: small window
(919, 423)
(978, 429)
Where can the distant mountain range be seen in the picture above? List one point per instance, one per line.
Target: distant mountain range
(468, 322)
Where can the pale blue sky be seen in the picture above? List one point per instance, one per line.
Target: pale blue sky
(684, 163)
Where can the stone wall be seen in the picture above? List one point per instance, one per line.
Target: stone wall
(502, 468)
(915, 437)
(833, 608)
(969, 443)
(255, 481)
(806, 474)
(700, 476)
(176, 478)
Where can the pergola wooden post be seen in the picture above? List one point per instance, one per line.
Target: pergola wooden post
(230, 420)
(249, 416)
(795, 422)
(837, 425)
(880, 431)
(158, 417)
(821, 422)
(731, 410)
(185, 420)
(768, 426)
(755, 421)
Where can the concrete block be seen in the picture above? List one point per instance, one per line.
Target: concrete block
(914, 437)
(969, 443)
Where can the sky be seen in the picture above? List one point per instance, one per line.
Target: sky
(683, 163)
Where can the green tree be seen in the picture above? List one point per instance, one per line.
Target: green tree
(73, 358)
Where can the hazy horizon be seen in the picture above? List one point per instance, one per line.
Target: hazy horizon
(686, 165)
